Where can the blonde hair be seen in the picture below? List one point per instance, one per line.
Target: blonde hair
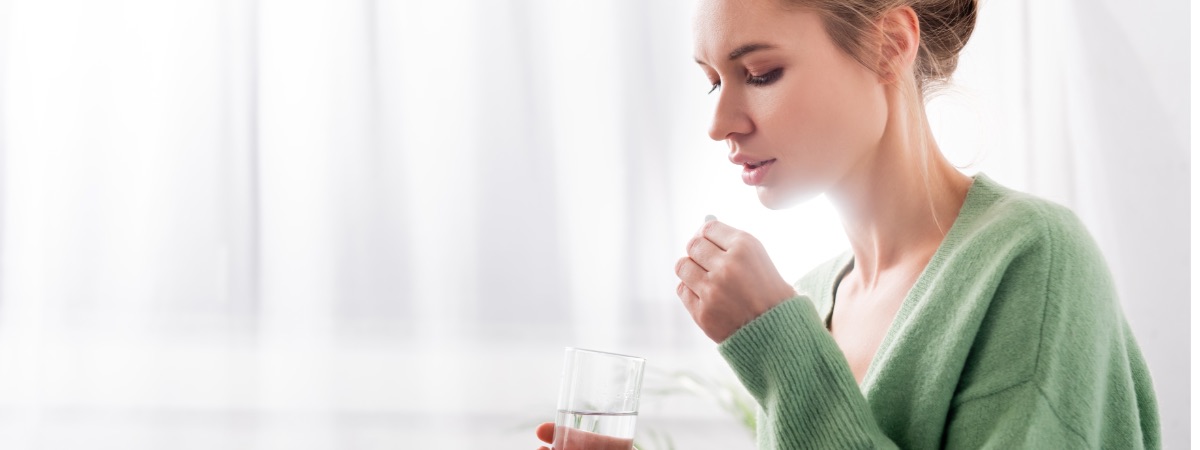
(945, 27)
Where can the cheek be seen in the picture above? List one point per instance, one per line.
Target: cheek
(833, 117)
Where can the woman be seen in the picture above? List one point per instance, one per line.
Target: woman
(965, 315)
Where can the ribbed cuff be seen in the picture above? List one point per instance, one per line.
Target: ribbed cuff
(798, 374)
(775, 334)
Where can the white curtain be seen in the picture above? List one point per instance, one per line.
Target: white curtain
(371, 224)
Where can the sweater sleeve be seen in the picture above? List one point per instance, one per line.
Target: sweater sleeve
(802, 382)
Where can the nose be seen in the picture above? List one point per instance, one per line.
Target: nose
(729, 117)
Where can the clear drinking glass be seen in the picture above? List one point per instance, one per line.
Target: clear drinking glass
(598, 396)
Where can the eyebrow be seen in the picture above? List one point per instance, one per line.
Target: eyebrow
(743, 50)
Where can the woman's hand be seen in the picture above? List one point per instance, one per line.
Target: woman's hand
(727, 280)
(580, 440)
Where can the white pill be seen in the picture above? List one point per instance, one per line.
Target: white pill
(709, 218)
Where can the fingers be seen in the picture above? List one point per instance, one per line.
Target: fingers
(545, 432)
(686, 295)
(573, 439)
(720, 234)
(689, 272)
(704, 252)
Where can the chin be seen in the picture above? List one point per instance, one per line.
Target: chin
(776, 198)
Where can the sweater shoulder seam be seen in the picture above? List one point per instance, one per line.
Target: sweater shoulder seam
(1053, 249)
(1040, 392)
(1050, 243)
(1050, 405)
(994, 393)
(1046, 235)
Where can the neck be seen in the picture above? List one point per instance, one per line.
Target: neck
(893, 215)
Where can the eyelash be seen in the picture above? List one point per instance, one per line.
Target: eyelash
(761, 80)
(766, 78)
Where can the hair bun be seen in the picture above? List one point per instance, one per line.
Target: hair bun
(946, 25)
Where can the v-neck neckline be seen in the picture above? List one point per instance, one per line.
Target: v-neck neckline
(979, 181)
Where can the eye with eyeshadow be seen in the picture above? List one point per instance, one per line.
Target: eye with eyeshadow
(764, 79)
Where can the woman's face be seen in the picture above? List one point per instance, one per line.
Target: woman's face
(799, 114)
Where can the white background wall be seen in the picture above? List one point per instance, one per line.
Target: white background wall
(369, 224)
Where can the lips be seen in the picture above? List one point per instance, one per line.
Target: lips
(755, 165)
(754, 173)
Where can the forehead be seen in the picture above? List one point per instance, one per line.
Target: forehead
(720, 26)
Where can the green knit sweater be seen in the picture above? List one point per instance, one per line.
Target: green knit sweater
(1012, 337)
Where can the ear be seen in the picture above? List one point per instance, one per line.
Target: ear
(900, 40)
